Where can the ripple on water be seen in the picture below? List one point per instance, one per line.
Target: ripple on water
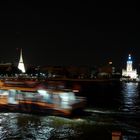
(24, 126)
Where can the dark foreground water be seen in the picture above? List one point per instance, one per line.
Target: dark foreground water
(110, 107)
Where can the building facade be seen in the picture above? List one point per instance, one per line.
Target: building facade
(129, 72)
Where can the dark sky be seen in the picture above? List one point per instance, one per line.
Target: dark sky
(79, 33)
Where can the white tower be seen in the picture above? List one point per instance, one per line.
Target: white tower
(21, 64)
(132, 73)
(129, 66)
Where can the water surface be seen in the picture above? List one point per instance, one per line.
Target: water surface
(110, 107)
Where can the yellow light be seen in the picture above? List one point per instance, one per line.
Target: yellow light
(110, 62)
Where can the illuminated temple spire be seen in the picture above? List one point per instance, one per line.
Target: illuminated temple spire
(129, 66)
(21, 64)
(129, 72)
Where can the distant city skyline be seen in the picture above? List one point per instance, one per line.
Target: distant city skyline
(83, 35)
(14, 58)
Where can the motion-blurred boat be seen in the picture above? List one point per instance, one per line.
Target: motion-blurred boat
(56, 102)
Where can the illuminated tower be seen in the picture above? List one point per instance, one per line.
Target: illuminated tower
(130, 72)
(129, 66)
(21, 64)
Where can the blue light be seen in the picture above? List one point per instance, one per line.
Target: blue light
(129, 57)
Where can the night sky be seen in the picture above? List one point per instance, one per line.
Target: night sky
(79, 33)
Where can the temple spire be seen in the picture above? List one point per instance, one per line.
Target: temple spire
(129, 66)
(129, 71)
(21, 64)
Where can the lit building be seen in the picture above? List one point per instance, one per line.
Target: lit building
(130, 72)
(21, 64)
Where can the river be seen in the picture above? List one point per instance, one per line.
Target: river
(110, 107)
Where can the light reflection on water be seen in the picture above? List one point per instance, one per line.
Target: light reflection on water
(15, 126)
(99, 124)
(24, 126)
(130, 96)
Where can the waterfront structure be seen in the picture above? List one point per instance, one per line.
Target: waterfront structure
(55, 102)
(130, 72)
(21, 64)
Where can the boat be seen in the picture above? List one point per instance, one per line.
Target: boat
(19, 83)
(56, 102)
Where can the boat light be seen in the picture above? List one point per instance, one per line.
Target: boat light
(42, 91)
(75, 90)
